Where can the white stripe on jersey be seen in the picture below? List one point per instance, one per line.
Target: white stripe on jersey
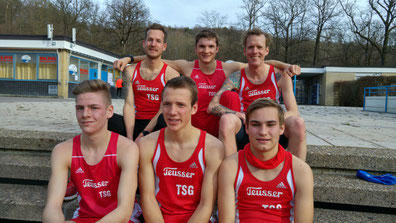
(134, 75)
(163, 79)
(241, 90)
(273, 80)
(238, 184)
(201, 160)
(155, 162)
(290, 182)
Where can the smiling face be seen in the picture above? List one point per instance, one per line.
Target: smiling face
(255, 49)
(92, 112)
(264, 129)
(206, 49)
(177, 108)
(154, 44)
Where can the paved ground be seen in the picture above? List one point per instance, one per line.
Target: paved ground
(338, 126)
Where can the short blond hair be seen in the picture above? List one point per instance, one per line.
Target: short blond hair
(265, 103)
(96, 85)
(257, 32)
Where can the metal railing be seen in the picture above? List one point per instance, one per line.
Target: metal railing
(379, 91)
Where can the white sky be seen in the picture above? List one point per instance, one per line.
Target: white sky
(184, 13)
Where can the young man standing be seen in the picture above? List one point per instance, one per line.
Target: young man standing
(258, 80)
(263, 182)
(144, 81)
(102, 164)
(179, 164)
(209, 75)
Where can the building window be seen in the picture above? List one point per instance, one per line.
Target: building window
(47, 67)
(26, 67)
(6, 66)
(73, 70)
(84, 70)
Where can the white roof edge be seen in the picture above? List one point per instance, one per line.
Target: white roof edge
(313, 70)
(361, 69)
(57, 44)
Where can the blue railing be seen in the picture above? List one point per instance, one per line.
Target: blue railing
(379, 91)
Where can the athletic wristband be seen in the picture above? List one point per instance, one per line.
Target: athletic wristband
(131, 57)
(145, 132)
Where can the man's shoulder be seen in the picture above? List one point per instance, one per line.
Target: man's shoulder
(214, 146)
(300, 167)
(126, 144)
(148, 143)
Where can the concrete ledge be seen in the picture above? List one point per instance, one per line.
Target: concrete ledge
(26, 202)
(343, 189)
(336, 216)
(31, 140)
(28, 166)
(383, 160)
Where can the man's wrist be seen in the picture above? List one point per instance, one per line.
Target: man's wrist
(145, 132)
(131, 58)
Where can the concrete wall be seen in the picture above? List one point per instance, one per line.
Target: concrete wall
(377, 104)
(327, 91)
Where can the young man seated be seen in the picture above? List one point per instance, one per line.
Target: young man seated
(263, 182)
(179, 164)
(103, 165)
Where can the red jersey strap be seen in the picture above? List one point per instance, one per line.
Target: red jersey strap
(110, 151)
(136, 71)
(196, 64)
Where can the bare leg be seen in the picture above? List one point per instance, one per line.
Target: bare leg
(228, 128)
(295, 131)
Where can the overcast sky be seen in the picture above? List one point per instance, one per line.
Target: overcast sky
(184, 13)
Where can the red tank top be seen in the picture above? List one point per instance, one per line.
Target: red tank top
(264, 201)
(208, 85)
(97, 185)
(178, 184)
(147, 93)
(248, 92)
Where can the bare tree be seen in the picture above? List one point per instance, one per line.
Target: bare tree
(10, 10)
(322, 13)
(377, 30)
(212, 19)
(251, 13)
(73, 13)
(127, 20)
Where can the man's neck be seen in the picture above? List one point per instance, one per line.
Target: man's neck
(152, 64)
(207, 68)
(185, 134)
(97, 140)
(257, 73)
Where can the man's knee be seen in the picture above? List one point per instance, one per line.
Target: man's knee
(229, 123)
(295, 125)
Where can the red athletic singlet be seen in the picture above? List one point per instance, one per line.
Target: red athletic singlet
(208, 85)
(178, 185)
(147, 93)
(264, 201)
(249, 92)
(97, 185)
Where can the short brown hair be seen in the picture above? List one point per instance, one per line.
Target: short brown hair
(265, 103)
(96, 85)
(207, 33)
(156, 26)
(183, 82)
(257, 32)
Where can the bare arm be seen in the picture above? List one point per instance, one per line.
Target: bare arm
(123, 62)
(230, 68)
(151, 210)
(304, 204)
(182, 66)
(230, 83)
(288, 69)
(214, 154)
(286, 86)
(60, 157)
(127, 158)
(129, 105)
(226, 200)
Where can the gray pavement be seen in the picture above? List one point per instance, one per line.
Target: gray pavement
(326, 125)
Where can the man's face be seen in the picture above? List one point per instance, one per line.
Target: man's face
(206, 49)
(176, 107)
(154, 43)
(264, 129)
(255, 49)
(92, 112)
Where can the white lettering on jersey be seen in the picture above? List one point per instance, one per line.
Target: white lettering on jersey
(153, 97)
(185, 189)
(266, 206)
(146, 88)
(257, 191)
(90, 183)
(177, 173)
(206, 86)
(257, 92)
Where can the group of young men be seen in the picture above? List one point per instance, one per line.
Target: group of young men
(183, 167)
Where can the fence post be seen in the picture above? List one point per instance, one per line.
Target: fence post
(364, 100)
(386, 99)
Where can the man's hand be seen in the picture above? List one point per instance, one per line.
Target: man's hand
(293, 70)
(121, 63)
(241, 116)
